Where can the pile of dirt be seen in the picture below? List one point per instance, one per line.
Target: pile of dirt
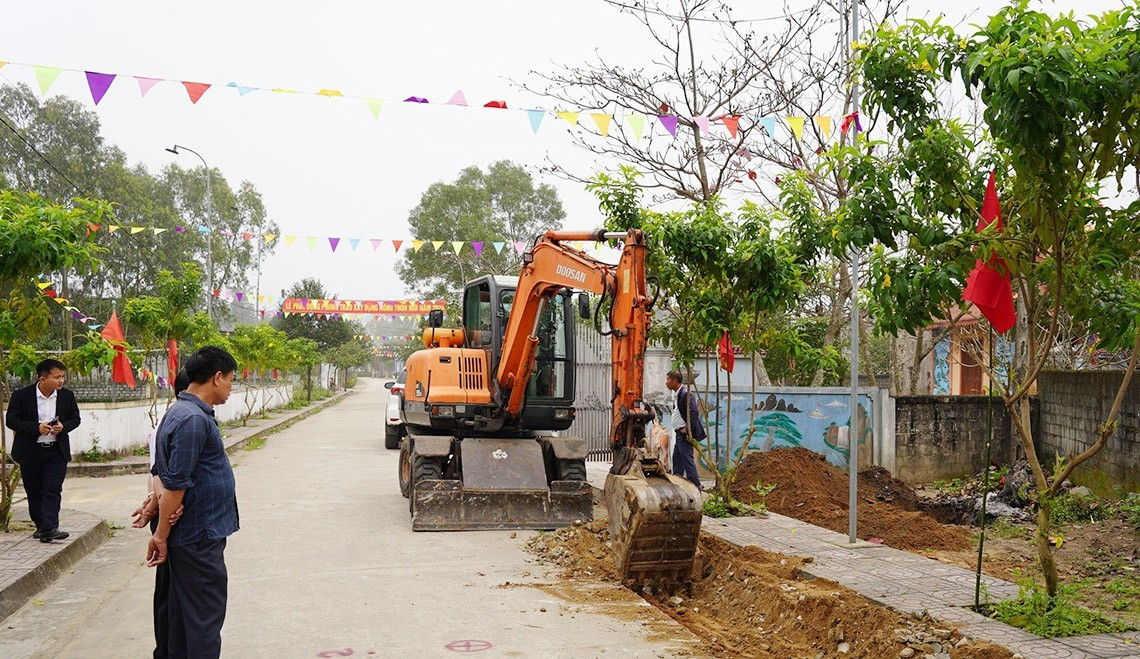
(810, 489)
(746, 601)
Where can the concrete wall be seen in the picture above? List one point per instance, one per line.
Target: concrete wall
(1073, 405)
(125, 426)
(941, 437)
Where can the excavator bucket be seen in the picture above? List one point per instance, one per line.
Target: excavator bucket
(655, 522)
(503, 486)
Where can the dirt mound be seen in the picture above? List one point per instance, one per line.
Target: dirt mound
(747, 602)
(810, 489)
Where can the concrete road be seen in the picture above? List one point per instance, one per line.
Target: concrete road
(326, 565)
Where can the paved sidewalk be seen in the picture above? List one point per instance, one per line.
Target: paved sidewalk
(27, 565)
(902, 581)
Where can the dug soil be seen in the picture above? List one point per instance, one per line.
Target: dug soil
(810, 489)
(747, 602)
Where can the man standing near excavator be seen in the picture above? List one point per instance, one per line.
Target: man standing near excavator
(686, 424)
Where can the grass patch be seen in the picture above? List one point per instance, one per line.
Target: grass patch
(1070, 508)
(254, 444)
(1035, 612)
(1003, 528)
(140, 451)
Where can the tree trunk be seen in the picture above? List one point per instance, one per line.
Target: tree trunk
(916, 362)
(835, 320)
(759, 372)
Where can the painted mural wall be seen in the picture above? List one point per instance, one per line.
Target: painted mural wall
(811, 419)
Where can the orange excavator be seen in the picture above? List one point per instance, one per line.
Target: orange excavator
(484, 402)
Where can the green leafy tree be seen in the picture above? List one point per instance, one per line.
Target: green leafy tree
(258, 349)
(68, 135)
(36, 237)
(348, 355)
(717, 272)
(168, 316)
(502, 205)
(1057, 97)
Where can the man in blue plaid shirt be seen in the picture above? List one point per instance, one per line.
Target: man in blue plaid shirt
(191, 460)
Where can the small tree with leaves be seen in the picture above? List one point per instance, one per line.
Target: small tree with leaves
(36, 238)
(1057, 98)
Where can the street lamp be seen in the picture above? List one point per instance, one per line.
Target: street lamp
(209, 231)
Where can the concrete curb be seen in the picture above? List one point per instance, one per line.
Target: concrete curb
(141, 465)
(28, 565)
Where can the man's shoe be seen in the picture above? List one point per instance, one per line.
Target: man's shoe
(37, 534)
(56, 534)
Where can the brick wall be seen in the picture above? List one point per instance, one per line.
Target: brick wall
(90, 391)
(1073, 405)
(942, 437)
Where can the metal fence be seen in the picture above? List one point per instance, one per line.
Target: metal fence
(594, 385)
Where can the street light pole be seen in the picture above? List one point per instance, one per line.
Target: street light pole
(209, 232)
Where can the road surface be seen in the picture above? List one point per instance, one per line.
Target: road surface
(326, 565)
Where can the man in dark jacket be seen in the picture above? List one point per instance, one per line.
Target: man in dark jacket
(687, 426)
(41, 416)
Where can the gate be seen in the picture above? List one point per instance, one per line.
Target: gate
(594, 385)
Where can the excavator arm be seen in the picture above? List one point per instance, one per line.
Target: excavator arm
(551, 266)
(655, 517)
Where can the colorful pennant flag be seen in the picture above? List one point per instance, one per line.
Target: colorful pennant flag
(457, 245)
(195, 90)
(603, 122)
(769, 126)
(333, 242)
(732, 124)
(569, 117)
(437, 244)
(797, 126)
(535, 118)
(669, 122)
(703, 124)
(458, 99)
(988, 285)
(145, 84)
(374, 105)
(46, 76)
(637, 125)
(99, 83)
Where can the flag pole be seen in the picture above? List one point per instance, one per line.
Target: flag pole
(986, 473)
(853, 422)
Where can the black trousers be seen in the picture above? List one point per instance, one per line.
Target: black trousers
(43, 474)
(161, 598)
(684, 464)
(196, 605)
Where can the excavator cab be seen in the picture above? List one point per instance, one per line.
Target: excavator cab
(487, 304)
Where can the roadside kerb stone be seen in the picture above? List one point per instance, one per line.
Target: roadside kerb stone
(134, 464)
(27, 565)
(899, 580)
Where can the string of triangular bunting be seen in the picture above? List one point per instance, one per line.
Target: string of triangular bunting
(99, 83)
(337, 242)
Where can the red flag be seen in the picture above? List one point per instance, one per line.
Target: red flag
(988, 286)
(724, 348)
(172, 360)
(121, 367)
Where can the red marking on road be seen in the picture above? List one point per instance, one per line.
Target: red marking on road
(468, 646)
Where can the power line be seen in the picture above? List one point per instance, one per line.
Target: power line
(31, 146)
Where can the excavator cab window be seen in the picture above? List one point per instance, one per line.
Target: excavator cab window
(477, 316)
(552, 359)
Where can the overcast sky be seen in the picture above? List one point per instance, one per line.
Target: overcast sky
(325, 166)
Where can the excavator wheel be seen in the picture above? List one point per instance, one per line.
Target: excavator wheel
(405, 469)
(571, 470)
(655, 522)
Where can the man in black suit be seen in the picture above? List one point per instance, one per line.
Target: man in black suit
(40, 417)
